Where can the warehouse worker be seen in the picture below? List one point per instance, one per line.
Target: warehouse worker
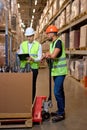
(34, 49)
(58, 71)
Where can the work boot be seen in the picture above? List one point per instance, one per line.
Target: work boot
(54, 113)
(58, 118)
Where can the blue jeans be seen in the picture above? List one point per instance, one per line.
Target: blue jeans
(59, 93)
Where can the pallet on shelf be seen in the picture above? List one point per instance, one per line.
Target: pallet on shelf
(83, 48)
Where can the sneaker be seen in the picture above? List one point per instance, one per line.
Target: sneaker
(54, 113)
(58, 118)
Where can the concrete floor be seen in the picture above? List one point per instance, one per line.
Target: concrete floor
(76, 104)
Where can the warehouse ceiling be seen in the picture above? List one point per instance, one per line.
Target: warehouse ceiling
(31, 10)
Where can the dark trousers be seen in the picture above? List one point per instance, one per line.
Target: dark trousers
(35, 74)
(59, 93)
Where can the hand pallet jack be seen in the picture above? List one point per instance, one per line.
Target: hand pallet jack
(42, 104)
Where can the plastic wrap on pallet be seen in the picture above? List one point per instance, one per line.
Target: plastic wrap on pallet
(75, 9)
(2, 49)
(2, 11)
(62, 19)
(63, 38)
(83, 36)
(79, 69)
(13, 22)
(67, 40)
(83, 5)
(68, 14)
(72, 67)
(55, 7)
(13, 7)
(74, 39)
(50, 13)
(61, 3)
(57, 21)
(77, 39)
(71, 39)
(85, 67)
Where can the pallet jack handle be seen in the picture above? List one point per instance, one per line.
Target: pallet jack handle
(49, 62)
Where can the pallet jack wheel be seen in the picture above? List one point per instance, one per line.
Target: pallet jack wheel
(45, 115)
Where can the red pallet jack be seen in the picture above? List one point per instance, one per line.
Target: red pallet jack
(42, 104)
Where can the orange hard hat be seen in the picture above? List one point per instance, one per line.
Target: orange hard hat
(51, 28)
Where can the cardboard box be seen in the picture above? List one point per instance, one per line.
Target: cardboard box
(83, 36)
(16, 95)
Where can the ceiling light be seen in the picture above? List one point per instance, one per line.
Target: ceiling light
(31, 24)
(18, 5)
(35, 2)
(32, 16)
(33, 10)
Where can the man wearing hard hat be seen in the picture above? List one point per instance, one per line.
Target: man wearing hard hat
(58, 71)
(34, 49)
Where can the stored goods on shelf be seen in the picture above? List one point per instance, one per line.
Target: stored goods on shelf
(83, 4)
(75, 9)
(83, 36)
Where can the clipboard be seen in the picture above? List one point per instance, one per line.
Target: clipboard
(23, 56)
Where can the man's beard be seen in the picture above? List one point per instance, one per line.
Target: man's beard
(50, 39)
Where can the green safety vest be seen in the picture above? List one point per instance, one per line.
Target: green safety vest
(33, 53)
(59, 66)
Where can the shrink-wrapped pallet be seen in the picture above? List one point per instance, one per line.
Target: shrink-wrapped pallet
(85, 67)
(2, 49)
(57, 22)
(75, 9)
(62, 18)
(76, 39)
(68, 14)
(79, 69)
(71, 46)
(83, 36)
(67, 40)
(50, 12)
(55, 7)
(61, 3)
(72, 67)
(63, 38)
(83, 4)
(2, 12)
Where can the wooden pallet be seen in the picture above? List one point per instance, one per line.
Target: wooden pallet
(15, 123)
(83, 48)
(73, 49)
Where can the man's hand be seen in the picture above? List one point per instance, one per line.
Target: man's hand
(48, 55)
(30, 59)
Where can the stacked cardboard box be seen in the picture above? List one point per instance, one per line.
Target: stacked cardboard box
(68, 14)
(62, 19)
(75, 9)
(83, 36)
(2, 49)
(74, 39)
(83, 6)
(16, 98)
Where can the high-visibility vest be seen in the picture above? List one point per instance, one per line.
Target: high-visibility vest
(59, 66)
(33, 53)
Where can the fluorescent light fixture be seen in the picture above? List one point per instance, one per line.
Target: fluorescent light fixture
(31, 24)
(35, 2)
(32, 20)
(32, 16)
(33, 10)
(18, 5)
